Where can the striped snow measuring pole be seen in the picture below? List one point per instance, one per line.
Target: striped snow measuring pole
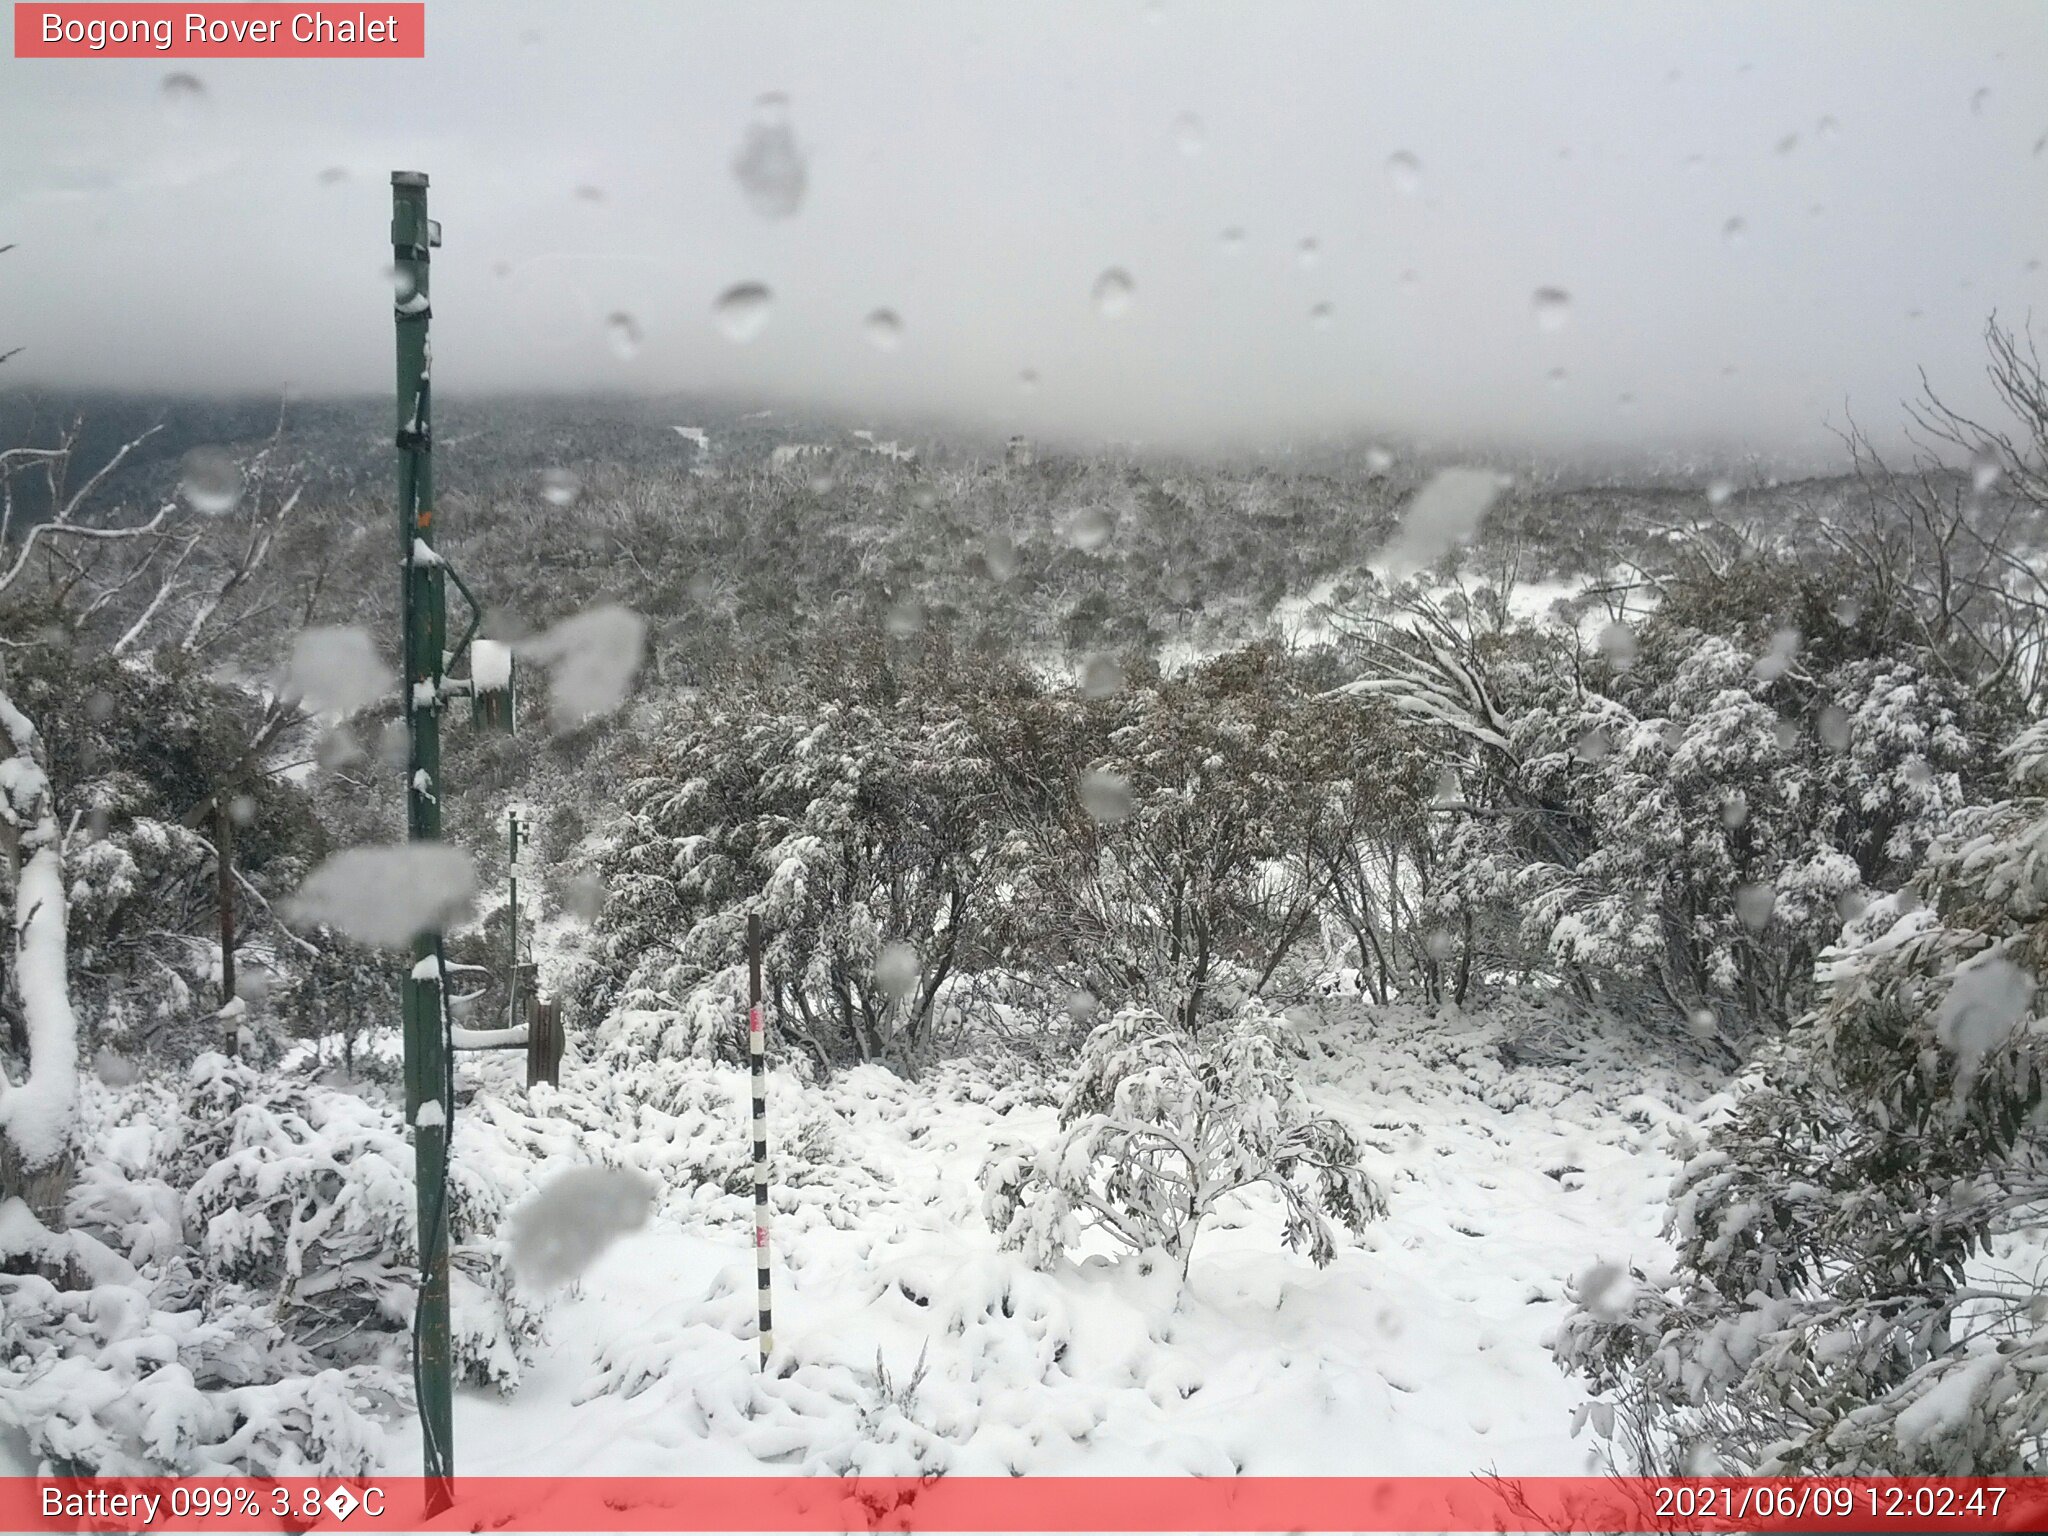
(757, 1054)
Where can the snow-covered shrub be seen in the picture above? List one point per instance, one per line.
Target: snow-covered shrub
(236, 1289)
(103, 1380)
(1855, 1291)
(1677, 828)
(1161, 1125)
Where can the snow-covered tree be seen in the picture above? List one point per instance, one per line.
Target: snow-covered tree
(1858, 1287)
(36, 1113)
(859, 829)
(1677, 819)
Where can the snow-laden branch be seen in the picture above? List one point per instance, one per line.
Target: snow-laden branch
(77, 531)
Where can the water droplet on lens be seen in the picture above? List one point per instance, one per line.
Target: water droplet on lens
(1556, 378)
(623, 332)
(769, 166)
(1089, 529)
(1735, 231)
(1984, 469)
(1828, 128)
(1309, 251)
(1187, 134)
(560, 487)
(210, 481)
(1754, 905)
(584, 897)
(1618, 645)
(1718, 492)
(1105, 796)
(1553, 308)
(1114, 292)
(906, 618)
(1232, 240)
(743, 309)
(183, 99)
(999, 554)
(898, 969)
(333, 176)
(1028, 381)
(1405, 172)
(1783, 652)
(1788, 143)
(1322, 316)
(1101, 676)
(1978, 98)
(883, 329)
(1832, 726)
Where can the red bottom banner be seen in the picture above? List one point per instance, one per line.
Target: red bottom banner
(1298, 1504)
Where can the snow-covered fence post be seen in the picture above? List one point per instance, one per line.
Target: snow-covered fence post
(543, 1040)
(757, 1054)
(429, 1070)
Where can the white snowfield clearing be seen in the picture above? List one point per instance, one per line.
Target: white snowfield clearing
(907, 1342)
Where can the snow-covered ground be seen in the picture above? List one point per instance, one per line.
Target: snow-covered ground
(906, 1341)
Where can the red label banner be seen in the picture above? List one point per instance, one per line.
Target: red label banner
(360, 31)
(1005, 1504)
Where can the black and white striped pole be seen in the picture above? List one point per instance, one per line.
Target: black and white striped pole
(757, 1054)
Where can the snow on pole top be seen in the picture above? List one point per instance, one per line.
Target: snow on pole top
(490, 665)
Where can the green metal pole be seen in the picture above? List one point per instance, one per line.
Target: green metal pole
(429, 1085)
(512, 865)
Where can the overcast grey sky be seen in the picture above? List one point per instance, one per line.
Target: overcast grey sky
(977, 168)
